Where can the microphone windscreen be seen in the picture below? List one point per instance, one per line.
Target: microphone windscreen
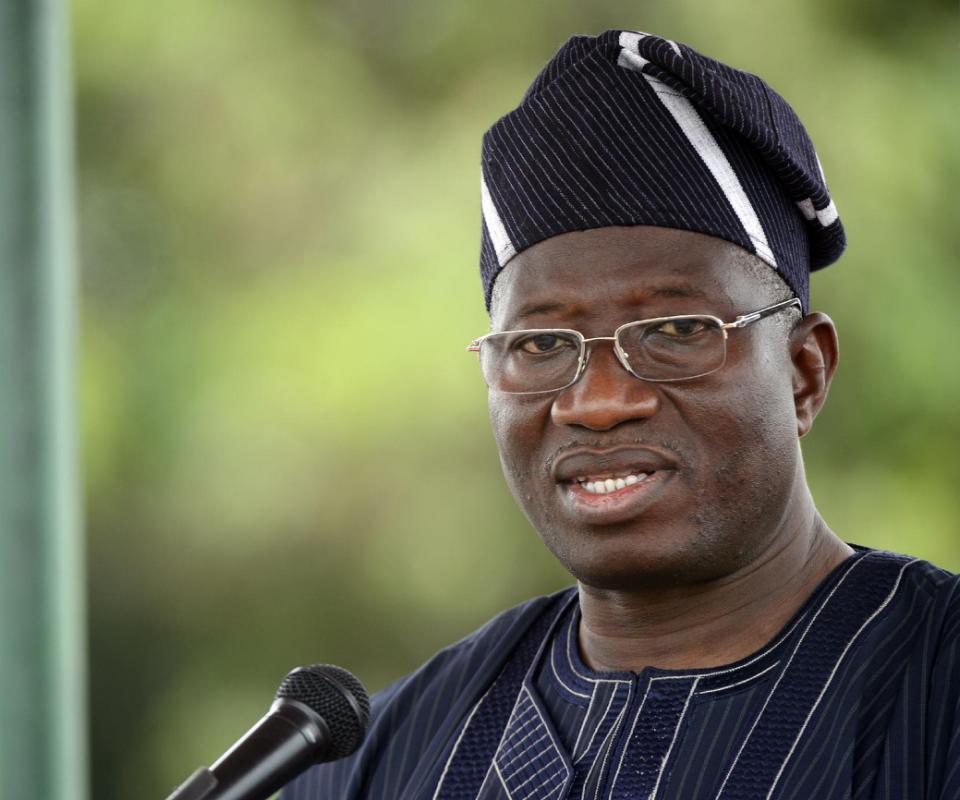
(338, 697)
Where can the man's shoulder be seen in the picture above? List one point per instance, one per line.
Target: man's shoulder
(922, 595)
(942, 587)
(918, 575)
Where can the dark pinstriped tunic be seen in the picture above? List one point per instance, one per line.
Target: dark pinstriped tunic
(857, 697)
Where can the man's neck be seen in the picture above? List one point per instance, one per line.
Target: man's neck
(713, 623)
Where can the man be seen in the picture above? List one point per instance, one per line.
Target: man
(650, 220)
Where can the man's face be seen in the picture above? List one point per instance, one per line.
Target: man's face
(720, 453)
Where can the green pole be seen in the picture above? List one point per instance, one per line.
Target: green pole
(43, 728)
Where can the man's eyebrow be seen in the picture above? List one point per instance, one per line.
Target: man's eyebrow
(680, 290)
(537, 308)
(676, 290)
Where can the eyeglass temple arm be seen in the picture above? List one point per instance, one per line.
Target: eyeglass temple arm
(748, 319)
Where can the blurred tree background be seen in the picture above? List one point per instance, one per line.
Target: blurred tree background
(286, 447)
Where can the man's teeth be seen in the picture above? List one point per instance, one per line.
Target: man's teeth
(607, 485)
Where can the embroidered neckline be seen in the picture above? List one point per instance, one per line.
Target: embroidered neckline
(574, 679)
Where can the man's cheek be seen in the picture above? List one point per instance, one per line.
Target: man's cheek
(507, 434)
(524, 481)
(506, 419)
(517, 423)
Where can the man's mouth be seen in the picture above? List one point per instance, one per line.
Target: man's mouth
(601, 470)
(608, 484)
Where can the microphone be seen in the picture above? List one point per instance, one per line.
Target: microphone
(320, 714)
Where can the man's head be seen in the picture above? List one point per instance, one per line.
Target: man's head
(631, 129)
(705, 473)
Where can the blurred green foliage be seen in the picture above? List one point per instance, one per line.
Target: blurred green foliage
(287, 452)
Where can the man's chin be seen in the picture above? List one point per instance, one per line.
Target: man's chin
(632, 578)
(618, 568)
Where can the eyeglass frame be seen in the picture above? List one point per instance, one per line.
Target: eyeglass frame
(742, 321)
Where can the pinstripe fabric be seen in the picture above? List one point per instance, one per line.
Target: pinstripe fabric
(631, 129)
(858, 697)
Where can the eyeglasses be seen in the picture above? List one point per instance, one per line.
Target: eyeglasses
(662, 349)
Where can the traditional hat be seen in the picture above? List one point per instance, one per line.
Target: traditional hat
(626, 128)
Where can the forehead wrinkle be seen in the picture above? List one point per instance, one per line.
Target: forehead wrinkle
(670, 291)
(630, 299)
(611, 270)
(535, 308)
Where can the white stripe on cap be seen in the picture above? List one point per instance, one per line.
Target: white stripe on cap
(498, 234)
(629, 40)
(820, 168)
(629, 58)
(716, 161)
(826, 216)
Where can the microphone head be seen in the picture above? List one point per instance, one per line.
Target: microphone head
(338, 697)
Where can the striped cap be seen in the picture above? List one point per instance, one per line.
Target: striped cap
(626, 128)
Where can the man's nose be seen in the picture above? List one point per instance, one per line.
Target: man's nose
(605, 395)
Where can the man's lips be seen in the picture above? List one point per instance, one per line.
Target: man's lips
(594, 464)
(604, 486)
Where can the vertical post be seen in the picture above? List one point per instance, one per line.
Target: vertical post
(42, 654)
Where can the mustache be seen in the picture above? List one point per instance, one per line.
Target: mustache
(608, 443)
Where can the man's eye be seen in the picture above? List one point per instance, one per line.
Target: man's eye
(681, 328)
(542, 343)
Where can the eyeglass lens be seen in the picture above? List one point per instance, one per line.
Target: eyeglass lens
(530, 361)
(547, 360)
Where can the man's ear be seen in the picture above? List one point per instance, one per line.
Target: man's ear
(814, 351)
